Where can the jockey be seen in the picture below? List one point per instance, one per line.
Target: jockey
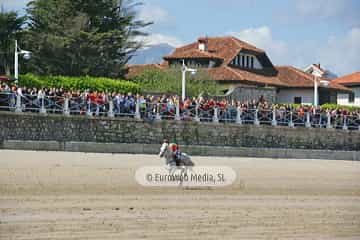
(175, 153)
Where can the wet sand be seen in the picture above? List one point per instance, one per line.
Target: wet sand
(57, 195)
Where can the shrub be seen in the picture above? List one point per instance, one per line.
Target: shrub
(169, 82)
(335, 106)
(79, 83)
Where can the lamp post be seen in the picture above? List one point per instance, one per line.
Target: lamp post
(316, 89)
(185, 69)
(316, 98)
(27, 56)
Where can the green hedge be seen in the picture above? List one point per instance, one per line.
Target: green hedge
(169, 82)
(335, 106)
(79, 83)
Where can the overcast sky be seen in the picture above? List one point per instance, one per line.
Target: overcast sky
(296, 32)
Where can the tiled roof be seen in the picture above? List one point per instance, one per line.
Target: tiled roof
(351, 79)
(136, 69)
(286, 76)
(294, 77)
(236, 74)
(225, 48)
(192, 53)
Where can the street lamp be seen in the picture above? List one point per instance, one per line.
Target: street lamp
(26, 55)
(185, 69)
(316, 89)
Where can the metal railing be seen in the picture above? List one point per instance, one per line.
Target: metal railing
(140, 109)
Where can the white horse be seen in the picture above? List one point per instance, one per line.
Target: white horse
(184, 164)
(170, 160)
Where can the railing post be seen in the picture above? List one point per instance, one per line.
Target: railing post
(256, 118)
(274, 121)
(345, 127)
(88, 112)
(66, 109)
(238, 115)
(215, 118)
(328, 124)
(18, 104)
(137, 109)
(291, 123)
(111, 109)
(177, 114)
(158, 116)
(308, 123)
(42, 108)
(197, 118)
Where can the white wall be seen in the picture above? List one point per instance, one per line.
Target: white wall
(343, 98)
(287, 95)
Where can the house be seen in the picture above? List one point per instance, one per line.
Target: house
(351, 81)
(239, 65)
(319, 71)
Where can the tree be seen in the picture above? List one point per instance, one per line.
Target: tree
(81, 37)
(11, 26)
(168, 81)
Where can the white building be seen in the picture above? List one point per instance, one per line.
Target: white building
(236, 64)
(351, 81)
(317, 70)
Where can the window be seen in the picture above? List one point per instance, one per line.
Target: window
(243, 60)
(247, 61)
(252, 62)
(351, 97)
(297, 100)
(238, 60)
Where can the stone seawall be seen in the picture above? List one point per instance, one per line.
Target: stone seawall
(58, 128)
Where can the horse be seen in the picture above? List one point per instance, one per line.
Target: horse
(183, 161)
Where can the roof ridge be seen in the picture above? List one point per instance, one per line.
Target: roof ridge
(238, 41)
(307, 75)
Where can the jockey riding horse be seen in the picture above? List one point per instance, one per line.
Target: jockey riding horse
(173, 156)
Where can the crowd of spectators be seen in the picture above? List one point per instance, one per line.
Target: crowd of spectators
(150, 106)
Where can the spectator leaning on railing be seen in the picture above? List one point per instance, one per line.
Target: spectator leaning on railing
(166, 107)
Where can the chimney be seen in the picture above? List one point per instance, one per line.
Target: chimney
(202, 42)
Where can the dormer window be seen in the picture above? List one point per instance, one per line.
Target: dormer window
(246, 61)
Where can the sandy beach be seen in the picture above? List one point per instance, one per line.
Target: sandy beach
(58, 195)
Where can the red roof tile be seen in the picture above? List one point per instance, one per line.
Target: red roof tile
(351, 79)
(236, 74)
(192, 53)
(225, 48)
(133, 70)
(294, 77)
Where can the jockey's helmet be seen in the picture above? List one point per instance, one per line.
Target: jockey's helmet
(173, 147)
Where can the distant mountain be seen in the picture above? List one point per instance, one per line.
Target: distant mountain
(153, 54)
